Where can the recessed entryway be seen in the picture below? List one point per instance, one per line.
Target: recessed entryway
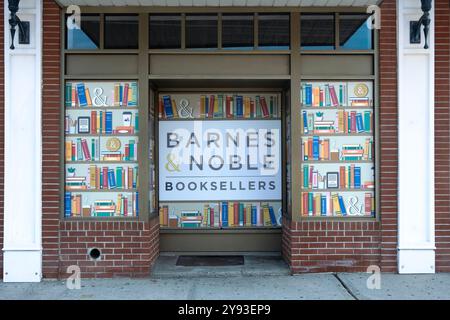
(167, 265)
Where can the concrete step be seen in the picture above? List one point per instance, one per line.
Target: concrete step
(254, 265)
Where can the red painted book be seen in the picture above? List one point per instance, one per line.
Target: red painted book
(211, 217)
(264, 109)
(105, 177)
(236, 213)
(86, 153)
(211, 106)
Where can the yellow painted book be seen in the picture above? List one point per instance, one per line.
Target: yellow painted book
(246, 107)
(216, 107)
(248, 215)
(336, 207)
(161, 216)
(347, 182)
(88, 96)
(317, 204)
(174, 108)
(116, 94)
(316, 96)
(202, 106)
(230, 214)
(267, 221)
(119, 205)
(92, 176)
(205, 215)
(68, 150)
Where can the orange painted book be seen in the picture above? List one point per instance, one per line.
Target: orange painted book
(342, 177)
(93, 122)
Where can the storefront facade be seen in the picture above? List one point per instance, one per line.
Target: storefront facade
(357, 119)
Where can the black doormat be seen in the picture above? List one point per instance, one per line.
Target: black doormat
(209, 261)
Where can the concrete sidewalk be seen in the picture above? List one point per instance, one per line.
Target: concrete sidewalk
(298, 287)
(258, 278)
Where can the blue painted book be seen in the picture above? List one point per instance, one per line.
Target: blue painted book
(254, 216)
(323, 205)
(273, 219)
(305, 122)
(132, 99)
(316, 146)
(357, 178)
(342, 206)
(68, 95)
(241, 214)
(137, 204)
(206, 107)
(135, 177)
(359, 122)
(239, 106)
(68, 204)
(224, 214)
(108, 122)
(308, 94)
(367, 123)
(81, 95)
(121, 95)
(167, 106)
(136, 122)
(111, 179)
(310, 203)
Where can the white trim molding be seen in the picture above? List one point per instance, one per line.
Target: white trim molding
(416, 243)
(22, 244)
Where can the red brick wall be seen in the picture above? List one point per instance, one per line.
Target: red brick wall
(346, 246)
(51, 160)
(388, 128)
(2, 133)
(442, 135)
(128, 248)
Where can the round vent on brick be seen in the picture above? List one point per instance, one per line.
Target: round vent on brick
(95, 254)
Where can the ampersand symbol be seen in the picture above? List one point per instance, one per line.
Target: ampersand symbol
(185, 110)
(171, 165)
(353, 210)
(99, 100)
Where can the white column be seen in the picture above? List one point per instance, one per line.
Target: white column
(416, 245)
(22, 257)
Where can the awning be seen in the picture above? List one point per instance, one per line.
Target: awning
(223, 3)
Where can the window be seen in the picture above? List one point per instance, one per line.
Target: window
(273, 31)
(86, 37)
(354, 33)
(201, 31)
(237, 31)
(317, 32)
(121, 32)
(165, 31)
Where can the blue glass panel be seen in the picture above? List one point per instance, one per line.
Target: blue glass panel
(354, 33)
(77, 39)
(87, 37)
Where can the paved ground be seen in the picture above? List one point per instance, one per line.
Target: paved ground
(259, 278)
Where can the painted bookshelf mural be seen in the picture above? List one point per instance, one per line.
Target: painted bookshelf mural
(214, 105)
(338, 160)
(101, 149)
(215, 209)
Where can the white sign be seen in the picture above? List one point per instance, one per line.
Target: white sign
(220, 160)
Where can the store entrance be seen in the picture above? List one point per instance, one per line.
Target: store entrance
(220, 167)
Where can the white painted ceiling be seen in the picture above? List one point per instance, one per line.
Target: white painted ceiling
(223, 3)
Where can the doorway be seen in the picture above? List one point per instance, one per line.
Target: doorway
(191, 205)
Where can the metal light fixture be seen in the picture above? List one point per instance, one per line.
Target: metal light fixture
(24, 26)
(415, 26)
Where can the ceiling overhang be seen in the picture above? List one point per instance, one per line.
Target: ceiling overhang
(222, 3)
